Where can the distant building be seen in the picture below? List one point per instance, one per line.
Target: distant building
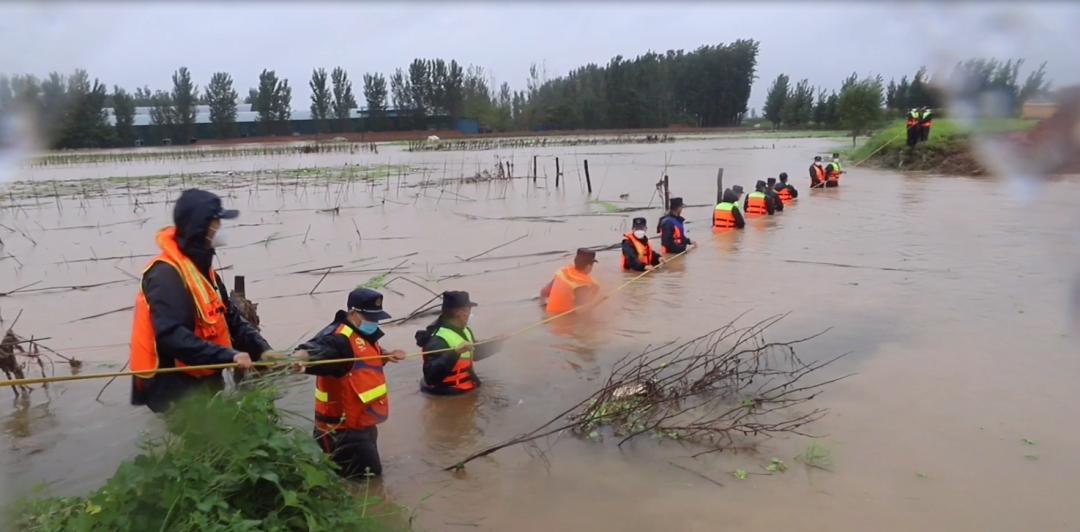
(300, 123)
(1038, 110)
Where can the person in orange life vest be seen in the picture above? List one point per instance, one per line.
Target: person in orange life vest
(787, 191)
(450, 349)
(572, 285)
(772, 195)
(351, 398)
(672, 229)
(727, 215)
(182, 315)
(833, 171)
(757, 203)
(817, 173)
(638, 254)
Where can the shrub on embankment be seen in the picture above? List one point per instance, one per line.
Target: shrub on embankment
(949, 149)
(227, 463)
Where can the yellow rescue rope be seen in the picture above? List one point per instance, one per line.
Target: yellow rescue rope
(288, 361)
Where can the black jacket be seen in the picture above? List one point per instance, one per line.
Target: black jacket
(328, 345)
(630, 253)
(438, 366)
(172, 312)
(667, 234)
(774, 198)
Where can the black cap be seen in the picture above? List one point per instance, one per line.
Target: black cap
(760, 184)
(368, 303)
(584, 257)
(675, 203)
(640, 222)
(738, 189)
(202, 201)
(772, 181)
(454, 300)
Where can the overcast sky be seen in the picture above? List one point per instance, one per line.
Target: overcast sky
(136, 44)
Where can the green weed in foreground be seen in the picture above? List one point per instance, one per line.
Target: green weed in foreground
(227, 463)
(817, 456)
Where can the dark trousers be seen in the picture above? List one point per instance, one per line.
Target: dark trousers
(913, 135)
(924, 133)
(354, 451)
(160, 392)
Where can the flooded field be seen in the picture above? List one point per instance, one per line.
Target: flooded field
(952, 298)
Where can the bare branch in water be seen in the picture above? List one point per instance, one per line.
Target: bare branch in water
(714, 391)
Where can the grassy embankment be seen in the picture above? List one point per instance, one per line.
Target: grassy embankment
(948, 150)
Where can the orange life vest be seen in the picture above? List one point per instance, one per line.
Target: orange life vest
(756, 204)
(912, 121)
(677, 237)
(461, 376)
(643, 249)
(724, 216)
(210, 322)
(358, 400)
(785, 195)
(833, 173)
(566, 282)
(819, 173)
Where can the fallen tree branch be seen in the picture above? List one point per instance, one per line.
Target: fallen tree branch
(712, 391)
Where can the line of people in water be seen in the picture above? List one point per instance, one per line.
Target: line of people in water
(573, 284)
(183, 317)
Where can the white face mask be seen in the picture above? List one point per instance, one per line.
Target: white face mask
(219, 239)
(640, 233)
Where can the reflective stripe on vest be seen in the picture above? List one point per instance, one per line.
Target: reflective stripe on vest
(756, 204)
(785, 194)
(321, 396)
(373, 394)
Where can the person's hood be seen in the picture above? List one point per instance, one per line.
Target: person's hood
(192, 214)
(730, 196)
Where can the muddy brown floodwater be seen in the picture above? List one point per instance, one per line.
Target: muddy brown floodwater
(956, 314)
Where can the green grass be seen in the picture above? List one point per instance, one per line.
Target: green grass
(945, 135)
(227, 463)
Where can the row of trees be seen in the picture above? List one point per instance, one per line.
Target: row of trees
(856, 107)
(707, 87)
(862, 102)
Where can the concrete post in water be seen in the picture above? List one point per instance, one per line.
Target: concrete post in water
(557, 172)
(238, 284)
(667, 193)
(588, 181)
(719, 185)
(534, 169)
